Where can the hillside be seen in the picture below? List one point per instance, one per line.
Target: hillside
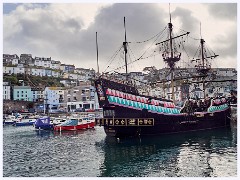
(34, 81)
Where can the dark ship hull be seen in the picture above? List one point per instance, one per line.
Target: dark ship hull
(165, 124)
(124, 119)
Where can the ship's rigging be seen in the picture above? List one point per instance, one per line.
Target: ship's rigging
(169, 50)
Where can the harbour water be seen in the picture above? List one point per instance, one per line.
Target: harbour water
(89, 153)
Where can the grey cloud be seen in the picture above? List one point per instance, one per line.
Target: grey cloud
(142, 21)
(189, 23)
(63, 39)
(223, 10)
(229, 45)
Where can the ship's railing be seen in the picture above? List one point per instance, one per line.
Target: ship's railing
(218, 104)
(141, 105)
(217, 108)
(207, 105)
(131, 97)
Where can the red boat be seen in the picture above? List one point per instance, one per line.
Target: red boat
(75, 124)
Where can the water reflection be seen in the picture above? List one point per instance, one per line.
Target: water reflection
(194, 154)
(48, 134)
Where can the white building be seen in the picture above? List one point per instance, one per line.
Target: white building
(38, 61)
(10, 59)
(38, 94)
(55, 64)
(8, 70)
(54, 97)
(225, 71)
(42, 62)
(81, 97)
(38, 72)
(13, 70)
(15, 61)
(6, 91)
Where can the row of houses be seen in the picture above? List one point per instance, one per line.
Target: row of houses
(40, 66)
(82, 96)
(219, 82)
(78, 74)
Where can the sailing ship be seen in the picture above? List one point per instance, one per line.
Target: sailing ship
(128, 113)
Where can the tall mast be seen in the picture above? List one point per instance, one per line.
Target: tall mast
(97, 54)
(171, 52)
(203, 67)
(170, 55)
(125, 50)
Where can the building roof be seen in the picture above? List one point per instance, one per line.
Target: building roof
(21, 87)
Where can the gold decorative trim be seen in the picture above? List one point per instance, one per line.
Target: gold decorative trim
(125, 121)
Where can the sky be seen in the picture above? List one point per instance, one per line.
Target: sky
(67, 31)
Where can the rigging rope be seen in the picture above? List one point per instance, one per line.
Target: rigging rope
(137, 42)
(112, 58)
(143, 52)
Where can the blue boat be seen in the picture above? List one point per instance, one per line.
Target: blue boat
(25, 122)
(43, 123)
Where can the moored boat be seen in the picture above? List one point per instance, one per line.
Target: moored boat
(75, 123)
(25, 122)
(10, 119)
(43, 124)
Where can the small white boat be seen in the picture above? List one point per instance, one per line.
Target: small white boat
(57, 120)
(10, 119)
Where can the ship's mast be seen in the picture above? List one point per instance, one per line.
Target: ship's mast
(125, 50)
(170, 61)
(170, 55)
(203, 68)
(97, 54)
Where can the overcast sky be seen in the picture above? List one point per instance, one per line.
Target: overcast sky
(67, 32)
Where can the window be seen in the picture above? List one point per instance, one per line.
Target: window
(109, 113)
(86, 106)
(69, 100)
